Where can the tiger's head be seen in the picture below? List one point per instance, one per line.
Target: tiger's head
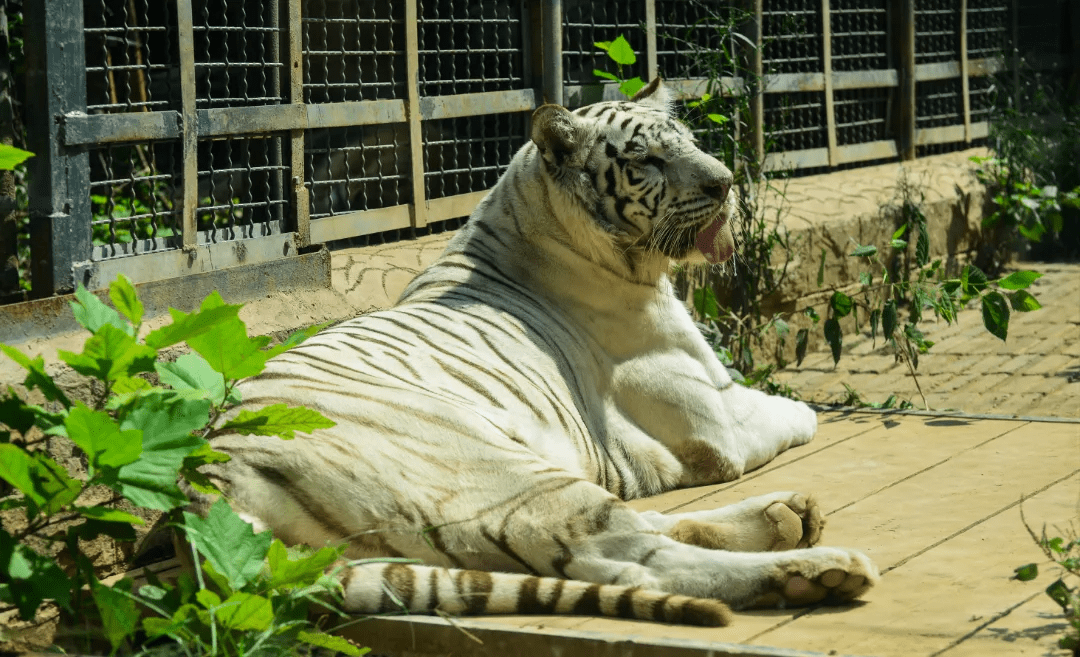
(636, 179)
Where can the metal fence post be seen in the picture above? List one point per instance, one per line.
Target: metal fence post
(965, 86)
(412, 112)
(826, 63)
(60, 233)
(552, 46)
(905, 27)
(757, 90)
(189, 193)
(292, 52)
(9, 226)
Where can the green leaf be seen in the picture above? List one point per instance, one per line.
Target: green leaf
(782, 328)
(1019, 280)
(187, 326)
(900, 233)
(245, 611)
(841, 304)
(92, 313)
(875, 321)
(899, 245)
(864, 251)
(105, 514)
(621, 51)
(167, 422)
(1059, 593)
(331, 642)
(37, 378)
(292, 570)
(812, 314)
(705, 303)
(631, 86)
(191, 372)
(119, 615)
(801, 337)
(109, 355)
(126, 300)
(229, 350)
(719, 119)
(207, 598)
(602, 45)
(229, 544)
(604, 74)
(865, 279)
(47, 485)
(922, 245)
(100, 437)
(834, 338)
(995, 312)
(11, 157)
(972, 280)
(277, 420)
(20, 416)
(1022, 301)
(888, 319)
(192, 462)
(295, 339)
(31, 578)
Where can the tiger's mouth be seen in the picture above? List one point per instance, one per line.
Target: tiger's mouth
(714, 240)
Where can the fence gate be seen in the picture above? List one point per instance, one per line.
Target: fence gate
(175, 138)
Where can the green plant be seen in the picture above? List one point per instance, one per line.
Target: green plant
(1064, 553)
(249, 595)
(920, 285)
(622, 53)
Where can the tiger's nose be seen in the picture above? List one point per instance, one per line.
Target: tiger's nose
(717, 190)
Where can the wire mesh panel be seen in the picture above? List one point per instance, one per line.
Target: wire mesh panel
(859, 35)
(795, 121)
(939, 103)
(984, 94)
(791, 36)
(694, 38)
(133, 188)
(469, 47)
(237, 52)
(987, 28)
(357, 168)
(469, 154)
(585, 23)
(241, 190)
(862, 115)
(130, 55)
(353, 50)
(937, 31)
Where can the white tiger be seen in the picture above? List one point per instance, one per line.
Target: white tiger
(534, 377)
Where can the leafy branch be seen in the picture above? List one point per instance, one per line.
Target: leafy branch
(138, 439)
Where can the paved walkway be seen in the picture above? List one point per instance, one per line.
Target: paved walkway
(935, 502)
(1035, 372)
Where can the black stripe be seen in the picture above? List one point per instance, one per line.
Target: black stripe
(589, 602)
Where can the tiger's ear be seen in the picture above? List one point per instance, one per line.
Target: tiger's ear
(655, 94)
(555, 132)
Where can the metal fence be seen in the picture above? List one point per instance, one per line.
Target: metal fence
(191, 136)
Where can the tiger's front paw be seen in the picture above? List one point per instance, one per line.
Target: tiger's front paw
(829, 575)
(765, 523)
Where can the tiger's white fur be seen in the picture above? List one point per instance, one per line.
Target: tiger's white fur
(536, 375)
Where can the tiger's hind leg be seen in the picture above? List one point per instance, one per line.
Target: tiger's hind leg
(585, 533)
(777, 521)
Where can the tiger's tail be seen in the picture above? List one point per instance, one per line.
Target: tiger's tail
(382, 587)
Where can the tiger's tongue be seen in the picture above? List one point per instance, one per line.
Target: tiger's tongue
(715, 241)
